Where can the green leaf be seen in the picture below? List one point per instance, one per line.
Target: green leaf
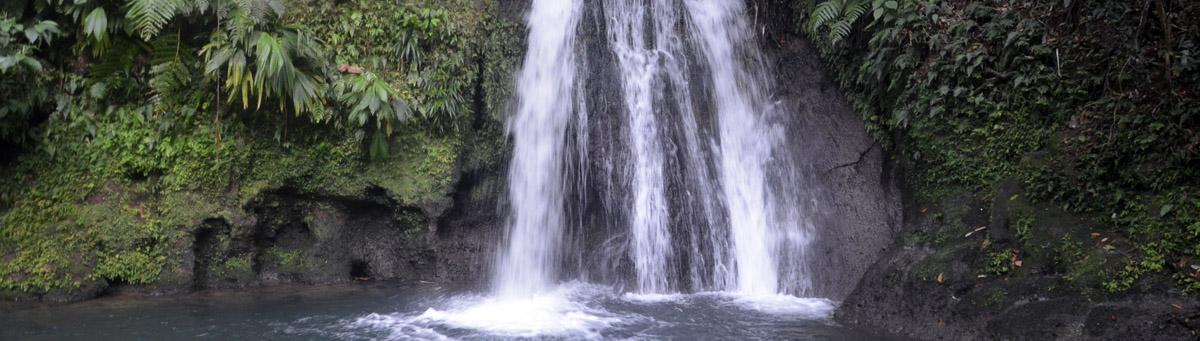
(95, 25)
(98, 90)
(1165, 210)
(7, 62)
(33, 64)
(32, 35)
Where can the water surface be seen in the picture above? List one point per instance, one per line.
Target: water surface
(407, 311)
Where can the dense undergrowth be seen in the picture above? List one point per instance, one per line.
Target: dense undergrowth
(1090, 105)
(125, 124)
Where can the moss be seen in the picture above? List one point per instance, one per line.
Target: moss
(289, 261)
(239, 268)
(422, 172)
(133, 267)
(315, 165)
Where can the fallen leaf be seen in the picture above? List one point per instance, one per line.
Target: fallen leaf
(1018, 263)
(924, 209)
(1104, 240)
(940, 277)
(981, 276)
(1095, 234)
(1177, 306)
(1109, 248)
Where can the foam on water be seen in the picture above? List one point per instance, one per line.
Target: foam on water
(573, 310)
(652, 298)
(561, 312)
(553, 313)
(802, 307)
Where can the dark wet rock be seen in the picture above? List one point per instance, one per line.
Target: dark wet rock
(989, 265)
(1000, 227)
(852, 183)
(937, 282)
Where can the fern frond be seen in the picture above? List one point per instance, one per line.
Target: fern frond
(119, 57)
(165, 48)
(854, 10)
(149, 16)
(838, 31)
(170, 71)
(823, 14)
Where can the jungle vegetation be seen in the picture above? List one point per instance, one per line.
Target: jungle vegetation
(1092, 106)
(124, 122)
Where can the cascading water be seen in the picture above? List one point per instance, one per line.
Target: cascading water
(639, 65)
(747, 143)
(697, 194)
(545, 107)
(648, 160)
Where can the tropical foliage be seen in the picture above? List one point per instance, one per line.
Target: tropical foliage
(125, 121)
(1092, 105)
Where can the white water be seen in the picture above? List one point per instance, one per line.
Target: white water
(545, 90)
(742, 230)
(690, 145)
(576, 310)
(743, 149)
(638, 63)
(735, 204)
(748, 143)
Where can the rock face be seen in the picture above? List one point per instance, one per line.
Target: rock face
(940, 283)
(857, 200)
(313, 239)
(971, 266)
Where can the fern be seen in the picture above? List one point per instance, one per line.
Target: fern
(118, 58)
(149, 16)
(824, 14)
(170, 71)
(838, 16)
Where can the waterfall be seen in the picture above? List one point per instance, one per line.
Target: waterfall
(545, 106)
(638, 63)
(695, 188)
(747, 141)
